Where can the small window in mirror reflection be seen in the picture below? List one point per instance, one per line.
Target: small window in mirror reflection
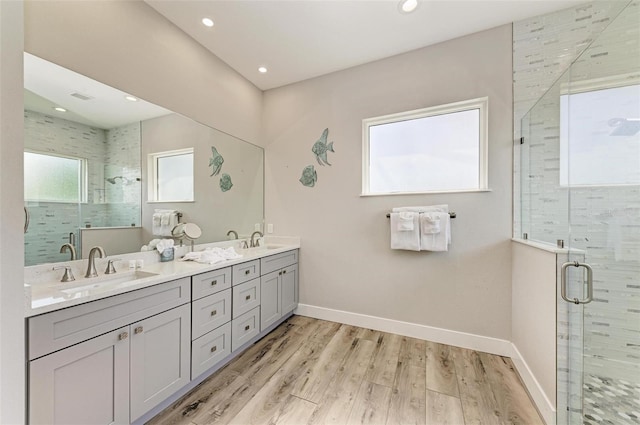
(171, 176)
(54, 178)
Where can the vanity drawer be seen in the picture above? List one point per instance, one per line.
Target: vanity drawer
(246, 297)
(278, 261)
(246, 271)
(62, 328)
(210, 312)
(211, 282)
(209, 349)
(244, 328)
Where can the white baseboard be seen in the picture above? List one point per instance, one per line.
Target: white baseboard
(540, 399)
(444, 336)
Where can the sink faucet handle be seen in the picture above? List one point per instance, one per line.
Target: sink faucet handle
(110, 268)
(68, 274)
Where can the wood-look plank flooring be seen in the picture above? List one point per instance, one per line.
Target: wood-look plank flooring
(310, 371)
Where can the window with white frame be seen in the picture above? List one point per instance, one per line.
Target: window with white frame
(171, 176)
(54, 178)
(437, 149)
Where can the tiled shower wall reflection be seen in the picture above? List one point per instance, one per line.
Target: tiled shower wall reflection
(114, 151)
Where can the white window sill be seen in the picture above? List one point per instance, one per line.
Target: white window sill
(169, 202)
(435, 192)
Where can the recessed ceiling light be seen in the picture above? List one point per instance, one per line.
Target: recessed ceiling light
(262, 70)
(407, 6)
(60, 109)
(131, 98)
(208, 22)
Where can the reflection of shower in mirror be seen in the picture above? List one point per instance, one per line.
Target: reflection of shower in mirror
(125, 180)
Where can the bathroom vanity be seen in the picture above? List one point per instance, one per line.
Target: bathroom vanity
(118, 350)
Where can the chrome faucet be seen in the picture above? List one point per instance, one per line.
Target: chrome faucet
(68, 247)
(234, 232)
(255, 243)
(91, 266)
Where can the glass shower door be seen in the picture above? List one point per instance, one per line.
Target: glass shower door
(600, 169)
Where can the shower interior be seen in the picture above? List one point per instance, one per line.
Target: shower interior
(579, 182)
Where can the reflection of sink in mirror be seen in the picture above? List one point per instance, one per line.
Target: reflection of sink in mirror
(105, 281)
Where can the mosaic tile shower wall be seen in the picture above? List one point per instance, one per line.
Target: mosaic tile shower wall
(116, 150)
(598, 344)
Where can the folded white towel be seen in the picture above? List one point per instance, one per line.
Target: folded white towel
(441, 207)
(164, 221)
(430, 223)
(405, 231)
(435, 233)
(212, 255)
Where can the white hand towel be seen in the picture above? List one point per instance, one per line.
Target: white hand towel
(405, 231)
(431, 240)
(430, 223)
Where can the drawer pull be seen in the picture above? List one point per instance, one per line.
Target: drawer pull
(214, 312)
(248, 297)
(247, 271)
(214, 282)
(138, 330)
(246, 328)
(284, 271)
(213, 349)
(280, 274)
(123, 335)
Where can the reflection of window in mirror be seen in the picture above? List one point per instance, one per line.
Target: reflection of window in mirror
(171, 176)
(55, 178)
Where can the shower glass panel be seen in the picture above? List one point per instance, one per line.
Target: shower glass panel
(580, 182)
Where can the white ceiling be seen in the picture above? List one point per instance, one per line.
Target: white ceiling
(301, 39)
(48, 85)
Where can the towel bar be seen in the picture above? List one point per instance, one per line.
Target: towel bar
(452, 214)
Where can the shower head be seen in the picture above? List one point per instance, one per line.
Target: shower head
(112, 180)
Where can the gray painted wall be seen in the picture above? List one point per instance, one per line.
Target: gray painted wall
(346, 262)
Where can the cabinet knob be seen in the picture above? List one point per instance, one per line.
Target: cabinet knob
(214, 312)
(246, 328)
(247, 271)
(214, 282)
(280, 274)
(248, 297)
(123, 335)
(284, 271)
(138, 330)
(213, 349)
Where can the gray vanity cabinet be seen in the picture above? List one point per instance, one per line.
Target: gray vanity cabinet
(211, 319)
(87, 383)
(159, 356)
(278, 287)
(112, 360)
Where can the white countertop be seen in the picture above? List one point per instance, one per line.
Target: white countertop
(44, 293)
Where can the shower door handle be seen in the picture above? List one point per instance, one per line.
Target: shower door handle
(563, 283)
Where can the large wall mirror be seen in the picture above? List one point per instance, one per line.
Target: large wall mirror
(88, 167)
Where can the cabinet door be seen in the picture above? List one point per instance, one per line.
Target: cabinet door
(289, 279)
(270, 304)
(159, 358)
(87, 383)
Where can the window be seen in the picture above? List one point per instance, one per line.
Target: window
(54, 178)
(599, 136)
(437, 149)
(171, 176)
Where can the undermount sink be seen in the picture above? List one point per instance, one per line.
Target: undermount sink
(105, 281)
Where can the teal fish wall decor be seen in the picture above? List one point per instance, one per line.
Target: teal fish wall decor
(215, 162)
(225, 182)
(320, 148)
(309, 176)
